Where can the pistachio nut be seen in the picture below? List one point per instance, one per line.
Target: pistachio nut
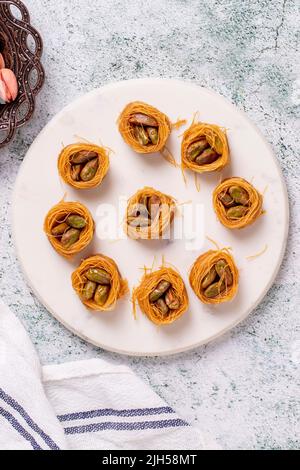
(89, 290)
(143, 119)
(70, 237)
(60, 229)
(101, 294)
(83, 156)
(89, 170)
(171, 300)
(162, 306)
(214, 289)
(196, 148)
(209, 278)
(76, 221)
(141, 135)
(236, 212)
(239, 195)
(226, 199)
(224, 272)
(207, 156)
(153, 134)
(160, 289)
(217, 145)
(98, 275)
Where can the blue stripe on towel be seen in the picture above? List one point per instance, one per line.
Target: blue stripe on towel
(111, 412)
(17, 407)
(94, 427)
(17, 426)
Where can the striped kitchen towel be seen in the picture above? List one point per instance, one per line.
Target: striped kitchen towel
(80, 405)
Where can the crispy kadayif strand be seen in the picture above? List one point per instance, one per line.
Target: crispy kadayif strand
(58, 214)
(148, 283)
(216, 138)
(118, 286)
(64, 165)
(254, 203)
(202, 266)
(127, 131)
(162, 220)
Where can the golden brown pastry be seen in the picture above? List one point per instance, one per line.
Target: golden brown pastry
(69, 227)
(237, 203)
(98, 283)
(149, 214)
(83, 166)
(204, 148)
(214, 277)
(162, 296)
(144, 128)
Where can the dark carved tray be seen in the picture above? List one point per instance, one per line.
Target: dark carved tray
(21, 47)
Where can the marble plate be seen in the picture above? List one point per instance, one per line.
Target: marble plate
(93, 117)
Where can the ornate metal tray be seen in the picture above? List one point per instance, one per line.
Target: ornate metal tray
(21, 47)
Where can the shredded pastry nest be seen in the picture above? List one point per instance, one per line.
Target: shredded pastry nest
(58, 214)
(126, 130)
(64, 165)
(255, 203)
(201, 268)
(148, 283)
(161, 222)
(119, 286)
(215, 136)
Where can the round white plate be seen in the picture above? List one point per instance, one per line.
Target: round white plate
(39, 187)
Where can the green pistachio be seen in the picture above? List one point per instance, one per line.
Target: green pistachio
(98, 275)
(206, 157)
(226, 199)
(89, 170)
(70, 237)
(162, 306)
(141, 135)
(60, 229)
(83, 156)
(209, 278)
(217, 145)
(224, 272)
(153, 134)
(236, 212)
(239, 195)
(171, 300)
(89, 290)
(101, 294)
(143, 120)
(196, 148)
(160, 289)
(76, 221)
(214, 290)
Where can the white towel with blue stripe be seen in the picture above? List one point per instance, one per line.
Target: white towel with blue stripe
(80, 405)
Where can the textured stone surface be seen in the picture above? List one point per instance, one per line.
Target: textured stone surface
(243, 387)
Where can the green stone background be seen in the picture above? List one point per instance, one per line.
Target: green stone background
(242, 388)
